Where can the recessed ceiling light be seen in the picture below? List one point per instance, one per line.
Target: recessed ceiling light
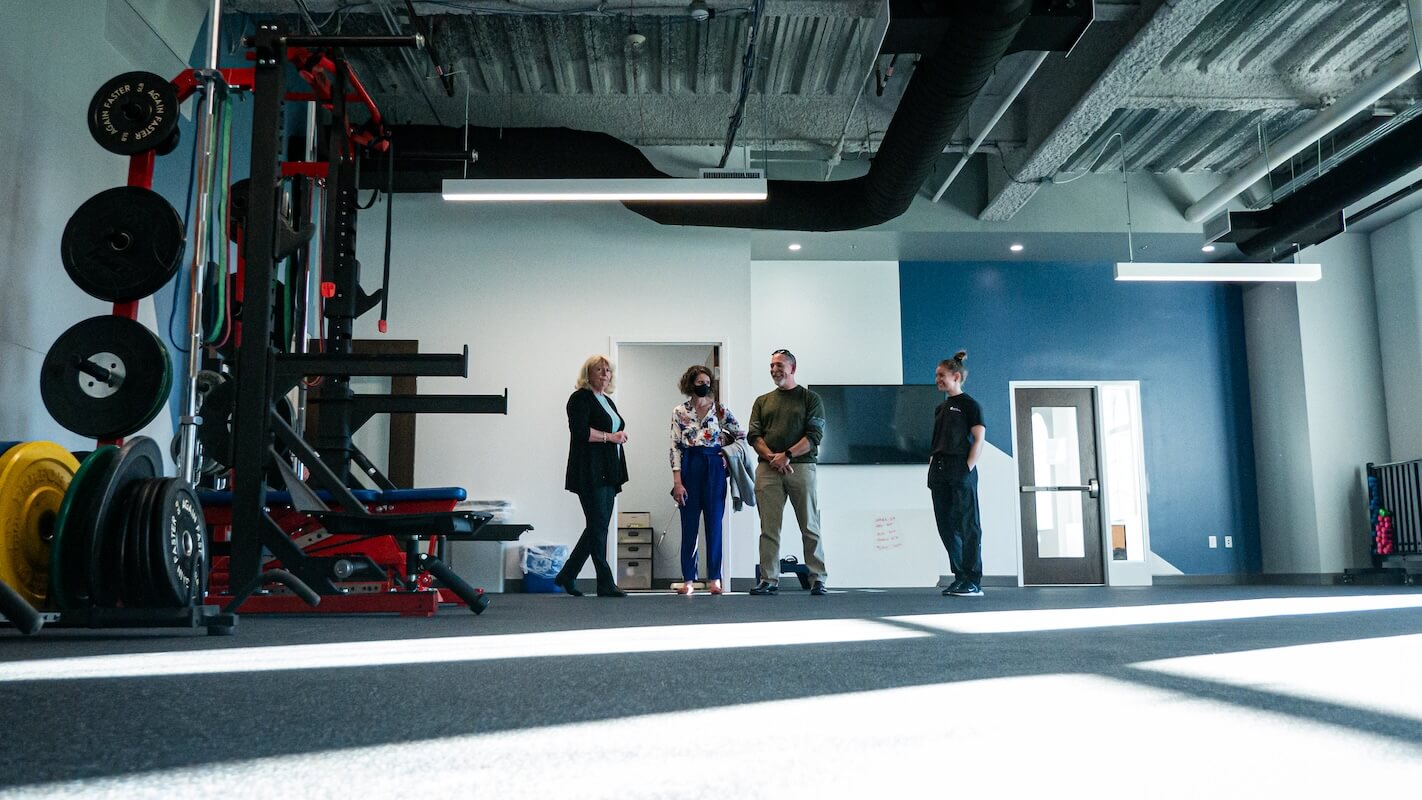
(1016, 248)
(1209, 248)
(794, 246)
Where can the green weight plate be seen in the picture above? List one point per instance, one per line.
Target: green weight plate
(92, 406)
(66, 532)
(139, 459)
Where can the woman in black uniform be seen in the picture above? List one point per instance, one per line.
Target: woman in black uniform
(958, 433)
(597, 469)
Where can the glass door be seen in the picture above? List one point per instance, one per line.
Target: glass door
(1059, 485)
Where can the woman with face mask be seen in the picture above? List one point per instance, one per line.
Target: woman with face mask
(699, 428)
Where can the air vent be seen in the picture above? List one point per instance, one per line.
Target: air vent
(756, 174)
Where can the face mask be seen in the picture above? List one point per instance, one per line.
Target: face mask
(701, 389)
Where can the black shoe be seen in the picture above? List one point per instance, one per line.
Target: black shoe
(968, 589)
(819, 590)
(766, 587)
(611, 592)
(567, 585)
(952, 587)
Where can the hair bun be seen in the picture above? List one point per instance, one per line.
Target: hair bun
(961, 355)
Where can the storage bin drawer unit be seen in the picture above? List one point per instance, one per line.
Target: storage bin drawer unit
(634, 519)
(634, 536)
(634, 573)
(638, 551)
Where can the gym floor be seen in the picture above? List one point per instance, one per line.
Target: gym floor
(1160, 692)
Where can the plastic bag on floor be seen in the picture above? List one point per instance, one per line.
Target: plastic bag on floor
(541, 563)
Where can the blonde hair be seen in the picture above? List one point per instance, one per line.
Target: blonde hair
(594, 360)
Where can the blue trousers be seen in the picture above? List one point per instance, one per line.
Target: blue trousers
(703, 473)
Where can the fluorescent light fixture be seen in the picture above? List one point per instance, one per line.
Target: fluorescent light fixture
(478, 190)
(794, 246)
(1209, 248)
(1219, 271)
(1016, 248)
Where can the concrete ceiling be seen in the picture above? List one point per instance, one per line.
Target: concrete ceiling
(1191, 86)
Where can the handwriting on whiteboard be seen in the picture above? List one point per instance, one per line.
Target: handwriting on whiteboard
(886, 533)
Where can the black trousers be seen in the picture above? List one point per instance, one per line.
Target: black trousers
(955, 509)
(597, 516)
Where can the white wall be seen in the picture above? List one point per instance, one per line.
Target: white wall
(1319, 411)
(48, 167)
(1397, 275)
(533, 291)
(1343, 380)
(1288, 527)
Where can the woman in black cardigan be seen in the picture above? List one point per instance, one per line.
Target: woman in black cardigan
(597, 469)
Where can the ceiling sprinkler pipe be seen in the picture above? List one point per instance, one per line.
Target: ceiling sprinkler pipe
(1306, 135)
(991, 123)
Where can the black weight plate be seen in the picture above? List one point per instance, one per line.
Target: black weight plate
(84, 404)
(139, 459)
(136, 592)
(133, 112)
(177, 534)
(123, 244)
(117, 560)
(239, 193)
(215, 431)
(67, 549)
(171, 143)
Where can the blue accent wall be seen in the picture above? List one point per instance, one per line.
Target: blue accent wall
(1184, 343)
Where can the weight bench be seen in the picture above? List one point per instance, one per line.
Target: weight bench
(363, 549)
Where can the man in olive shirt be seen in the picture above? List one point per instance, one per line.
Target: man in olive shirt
(786, 426)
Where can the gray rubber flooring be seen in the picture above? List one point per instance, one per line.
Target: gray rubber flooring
(853, 694)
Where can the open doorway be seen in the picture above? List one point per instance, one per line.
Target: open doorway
(647, 375)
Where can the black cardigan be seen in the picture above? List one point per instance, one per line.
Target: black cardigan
(592, 464)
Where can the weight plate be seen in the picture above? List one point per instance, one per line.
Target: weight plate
(133, 112)
(5, 447)
(65, 550)
(136, 591)
(137, 366)
(33, 481)
(123, 244)
(114, 576)
(139, 459)
(215, 431)
(171, 143)
(178, 538)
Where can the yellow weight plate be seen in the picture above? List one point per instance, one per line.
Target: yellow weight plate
(33, 479)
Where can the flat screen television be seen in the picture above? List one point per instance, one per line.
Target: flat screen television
(878, 424)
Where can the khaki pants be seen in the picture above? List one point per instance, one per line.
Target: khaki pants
(771, 491)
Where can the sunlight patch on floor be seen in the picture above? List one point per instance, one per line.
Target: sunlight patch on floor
(1377, 675)
(601, 641)
(1037, 736)
(1062, 619)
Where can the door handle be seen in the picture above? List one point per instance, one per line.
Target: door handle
(1092, 487)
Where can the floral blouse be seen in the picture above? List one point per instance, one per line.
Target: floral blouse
(688, 431)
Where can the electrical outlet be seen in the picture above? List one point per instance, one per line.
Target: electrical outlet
(1214, 541)
(1229, 541)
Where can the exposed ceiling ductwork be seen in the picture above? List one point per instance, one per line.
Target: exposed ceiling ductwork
(966, 42)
